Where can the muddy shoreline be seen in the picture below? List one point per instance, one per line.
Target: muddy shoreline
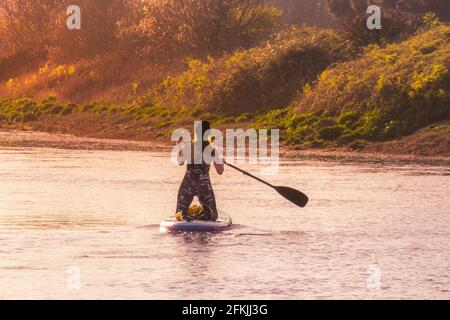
(35, 139)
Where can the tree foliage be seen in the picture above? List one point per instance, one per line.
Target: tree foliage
(346, 8)
(202, 27)
(39, 27)
(305, 12)
(400, 18)
(151, 28)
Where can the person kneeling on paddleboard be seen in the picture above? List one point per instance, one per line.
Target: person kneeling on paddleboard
(197, 181)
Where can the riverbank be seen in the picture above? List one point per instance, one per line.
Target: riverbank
(33, 139)
(368, 152)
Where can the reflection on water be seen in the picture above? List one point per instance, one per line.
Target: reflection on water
(99, 211)
(57, 221)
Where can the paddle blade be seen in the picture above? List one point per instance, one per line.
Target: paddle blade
(294, 196)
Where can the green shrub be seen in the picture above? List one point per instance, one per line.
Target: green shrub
(225, 120)
(325, 122)
(56, 110)
(349, 118)
(87, 107)
(254, 80)
(348, 138)
(388, 92)
(244, 117)
(29, 117)
(331, 133)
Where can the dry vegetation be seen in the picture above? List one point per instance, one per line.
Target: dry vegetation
(137, 69)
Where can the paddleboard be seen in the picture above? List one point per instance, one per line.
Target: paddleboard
(173, 225)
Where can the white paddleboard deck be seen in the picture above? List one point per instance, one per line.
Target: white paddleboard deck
(173, 225)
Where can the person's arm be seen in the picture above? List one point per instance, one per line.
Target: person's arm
(220, 167)
(180, 154)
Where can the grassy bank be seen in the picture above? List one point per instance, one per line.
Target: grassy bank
(385, 94)
(319, 91)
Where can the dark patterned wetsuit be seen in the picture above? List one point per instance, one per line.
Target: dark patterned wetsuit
(197, 183)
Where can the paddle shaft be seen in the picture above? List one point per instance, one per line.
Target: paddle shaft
(294, 196)
(250, 175)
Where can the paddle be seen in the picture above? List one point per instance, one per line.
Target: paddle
(294, 196)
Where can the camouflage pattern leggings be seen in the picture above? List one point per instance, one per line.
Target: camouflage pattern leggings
(199, 185)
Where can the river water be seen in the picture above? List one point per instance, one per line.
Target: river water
(84, 224)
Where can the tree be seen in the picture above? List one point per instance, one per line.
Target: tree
(100, 29)
(395, 25)
(308, 12)
(38, 27)
(440, 7)
(346, 8)
(27, 26)
(173, 28)
(340, 8)
(400, 18)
